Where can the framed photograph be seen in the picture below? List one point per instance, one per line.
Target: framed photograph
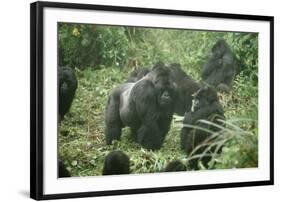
(131, 100)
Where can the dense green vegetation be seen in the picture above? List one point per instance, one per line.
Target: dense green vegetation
(103, 56)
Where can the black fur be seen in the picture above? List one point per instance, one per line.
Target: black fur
(116, 163)
(137, 74)
(146, 106)
(206, 107)
(186, 87)
(63, 172)
(67, 89)
(221, 67)
(175, 166)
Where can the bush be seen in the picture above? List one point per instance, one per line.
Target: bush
(92, 46)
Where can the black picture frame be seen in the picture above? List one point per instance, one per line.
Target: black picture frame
(37, 99)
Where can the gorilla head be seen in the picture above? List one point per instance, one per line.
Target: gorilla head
(116, 163)
(220, 48)
(175, 166)
(203, 97)
(164, 88)
(221, 67)
(185, 86)
(146, 106)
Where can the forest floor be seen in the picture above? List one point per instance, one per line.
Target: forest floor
(82, 141)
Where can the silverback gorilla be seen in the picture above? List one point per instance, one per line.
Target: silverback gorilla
(146, 106)
(185, 86)
(221, 67)
(206, 107)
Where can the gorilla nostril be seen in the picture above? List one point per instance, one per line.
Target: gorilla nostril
(166, 94)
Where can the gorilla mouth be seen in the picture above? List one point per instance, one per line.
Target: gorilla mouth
(165, 100)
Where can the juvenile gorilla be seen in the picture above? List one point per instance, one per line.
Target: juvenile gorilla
(206, 107)
(146, 106)
(185, 86)
(175, 166)
(221, 67)
(116, 163)
(67, 89)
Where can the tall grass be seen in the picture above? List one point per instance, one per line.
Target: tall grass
(232, 136)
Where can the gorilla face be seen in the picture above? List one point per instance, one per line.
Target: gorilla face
(219, 48)
(164, 87)
(165, 91)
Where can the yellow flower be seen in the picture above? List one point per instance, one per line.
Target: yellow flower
(75, 32)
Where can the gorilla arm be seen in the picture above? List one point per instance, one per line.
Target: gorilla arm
(202, 113)
(207, 69)
(149, 133)
(113, 120)
(210, 66)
